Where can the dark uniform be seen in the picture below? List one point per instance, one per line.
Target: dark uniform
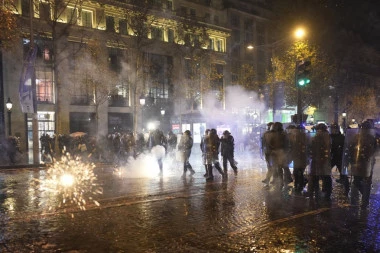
(298, 152)
(337, 144)
(360, 154)
(320, 163)
(227, 151)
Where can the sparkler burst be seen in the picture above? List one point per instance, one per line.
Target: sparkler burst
(70, 182)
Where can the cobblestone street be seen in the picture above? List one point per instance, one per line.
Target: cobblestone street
(170, 214)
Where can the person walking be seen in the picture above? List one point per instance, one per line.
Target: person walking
(203, 149)
(184, 146)
(157, 138)
(337, 146)
(212, 143)
(320, 168)
(227, 150)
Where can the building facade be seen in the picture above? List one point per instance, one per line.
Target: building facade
(95, 60)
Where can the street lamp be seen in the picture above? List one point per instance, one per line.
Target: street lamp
(9, 106)
(162, 112)
(344, 115)
(299, 33)
(142, 103)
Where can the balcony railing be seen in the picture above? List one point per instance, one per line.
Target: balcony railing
(118, 101)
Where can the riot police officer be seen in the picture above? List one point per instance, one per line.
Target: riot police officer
(278, 146)
(320, 163)
(337, 144)
(360, 154)
(298, 151)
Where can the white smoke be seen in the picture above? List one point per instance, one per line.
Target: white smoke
(238, 102)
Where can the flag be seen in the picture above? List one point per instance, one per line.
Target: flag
(26, 88)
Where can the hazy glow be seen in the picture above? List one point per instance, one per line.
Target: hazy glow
(300, 33)
(69, 182)
(66, 180)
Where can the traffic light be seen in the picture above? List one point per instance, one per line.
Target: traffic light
(303, 73)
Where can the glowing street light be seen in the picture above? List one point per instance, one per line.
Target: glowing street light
(299, 33)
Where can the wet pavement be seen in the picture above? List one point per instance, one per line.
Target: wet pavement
(148, 213)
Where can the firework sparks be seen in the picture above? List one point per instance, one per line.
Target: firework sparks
(70, 182)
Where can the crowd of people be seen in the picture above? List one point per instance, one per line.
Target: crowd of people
(311, 155)
(315, 155)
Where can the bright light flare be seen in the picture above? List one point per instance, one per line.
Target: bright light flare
(69, 182)
(300, 33)
(66, 180)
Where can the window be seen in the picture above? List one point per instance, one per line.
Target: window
(114, 59)
(44, 85)
(236, 35)
(248, 25)
(235, 20)
(44, 9)
(193, 13)
(25, 8)
(87, 18)
(211, 44)
(219, 45)
(120, 97)
(157, 33)
(169, 4)
(71, 15)
(110, 24)
(123, 27)
(171, 35)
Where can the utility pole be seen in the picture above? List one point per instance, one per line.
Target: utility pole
(36, 157)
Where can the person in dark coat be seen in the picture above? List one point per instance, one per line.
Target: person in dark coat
(227, 151)
(184, 146)
(337, 146)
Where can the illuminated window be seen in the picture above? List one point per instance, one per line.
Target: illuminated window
(44, 86)
(71, 15)
(87, 18)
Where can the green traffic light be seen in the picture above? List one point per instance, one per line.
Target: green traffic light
(303, 82)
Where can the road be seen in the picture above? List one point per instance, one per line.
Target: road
(140, 212)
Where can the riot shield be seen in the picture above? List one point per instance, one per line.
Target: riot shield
(299, 142)
(262, 145)
(359, 152)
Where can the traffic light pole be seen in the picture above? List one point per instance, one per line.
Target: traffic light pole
(299, 106)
